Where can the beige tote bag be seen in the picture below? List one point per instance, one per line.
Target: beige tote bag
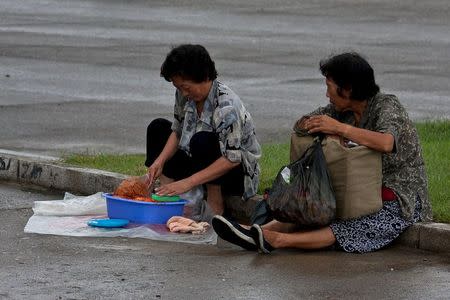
(356, 175)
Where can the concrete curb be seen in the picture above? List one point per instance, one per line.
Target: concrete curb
(50, 172)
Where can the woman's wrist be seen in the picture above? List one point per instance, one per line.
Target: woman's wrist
(343, 129)
(191, 180)
(159, 161)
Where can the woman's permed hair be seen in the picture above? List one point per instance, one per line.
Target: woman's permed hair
(350, 71)
(191, 62)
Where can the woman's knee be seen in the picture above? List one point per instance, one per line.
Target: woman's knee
(158, 131)
(158, 125)
(205, 144)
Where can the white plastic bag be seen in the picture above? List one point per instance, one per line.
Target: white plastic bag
(72, 205)
(197, 208)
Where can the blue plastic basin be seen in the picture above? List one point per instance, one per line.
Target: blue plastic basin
(143, 212)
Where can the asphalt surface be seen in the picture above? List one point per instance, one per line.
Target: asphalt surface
(83, 76)
(36, 266)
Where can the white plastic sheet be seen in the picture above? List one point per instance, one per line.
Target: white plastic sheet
(69, 217)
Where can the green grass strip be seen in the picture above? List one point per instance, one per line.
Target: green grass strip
(435, 141)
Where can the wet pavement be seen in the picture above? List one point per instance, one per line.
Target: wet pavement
(34, 266)
(83, 76)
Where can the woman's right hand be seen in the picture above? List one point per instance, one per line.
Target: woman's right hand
(300, 124)
(154, 171)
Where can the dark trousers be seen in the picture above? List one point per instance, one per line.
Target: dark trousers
(204, 148)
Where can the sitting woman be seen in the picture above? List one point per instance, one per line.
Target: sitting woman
(360, 113)
(212, 138)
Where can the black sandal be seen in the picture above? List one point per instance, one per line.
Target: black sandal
(257, 234)
(234, 233)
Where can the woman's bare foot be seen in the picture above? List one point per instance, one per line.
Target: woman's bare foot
(271, 237)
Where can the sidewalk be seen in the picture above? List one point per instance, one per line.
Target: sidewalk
(51, 173)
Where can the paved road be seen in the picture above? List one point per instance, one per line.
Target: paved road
(83, 76)
(36, 266)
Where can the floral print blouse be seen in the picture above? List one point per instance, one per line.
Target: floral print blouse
(224, 114)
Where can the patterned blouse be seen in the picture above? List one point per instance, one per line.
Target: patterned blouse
(403, 168)
(223, 113)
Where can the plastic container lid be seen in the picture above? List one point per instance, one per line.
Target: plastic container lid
(108, 223)
(165, 198)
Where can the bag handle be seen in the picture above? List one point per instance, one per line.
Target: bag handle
(317, 141)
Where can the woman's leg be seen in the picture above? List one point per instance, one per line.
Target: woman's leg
(215, 199)
(278, 226)
(205, 150)
(176, 168)
(314, 239)
(158, 132)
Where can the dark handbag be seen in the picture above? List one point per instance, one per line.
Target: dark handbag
(302, 192)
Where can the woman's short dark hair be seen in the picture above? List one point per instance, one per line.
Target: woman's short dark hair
(352, 72)
(190, 62)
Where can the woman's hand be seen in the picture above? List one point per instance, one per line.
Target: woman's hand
(301, 122)
(322, 123)
(175, 188)
(154, 171)
(378, 141)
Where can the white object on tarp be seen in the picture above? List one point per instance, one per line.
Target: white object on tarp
(72, 206)
(69, 217)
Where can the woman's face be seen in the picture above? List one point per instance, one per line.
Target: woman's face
(192, 90)
(341, 102)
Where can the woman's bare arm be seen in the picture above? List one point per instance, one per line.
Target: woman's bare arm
(382, 142)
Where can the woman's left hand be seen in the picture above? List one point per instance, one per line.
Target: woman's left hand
(174, 188)
(322, 123)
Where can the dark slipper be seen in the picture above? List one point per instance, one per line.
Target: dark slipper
(261, 242)
(234, 233)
